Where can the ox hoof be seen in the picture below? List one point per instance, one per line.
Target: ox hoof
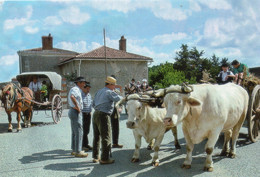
(149, 147)
(19, 130)
(177, 146)
(134, 160)
(209, 169)
(232, 155)
(186, 166)
(10, 130)
(155, 164)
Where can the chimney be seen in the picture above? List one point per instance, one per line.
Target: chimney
(122, 43)
(47, 42)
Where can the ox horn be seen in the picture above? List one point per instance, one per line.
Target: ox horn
(187, 88)
(181, 89)
(159, 93)
(120, 102)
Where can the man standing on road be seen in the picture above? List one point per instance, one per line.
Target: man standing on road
(75, 115)
(104, 104)
(115, 116)
(86, 114)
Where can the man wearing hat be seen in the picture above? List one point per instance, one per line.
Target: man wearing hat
(75, 115)
(103, 104)
(86, 114)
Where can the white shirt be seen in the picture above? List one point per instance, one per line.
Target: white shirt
(225, 74)
(35, 86)
(76, 92)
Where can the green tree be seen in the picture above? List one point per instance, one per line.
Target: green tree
(164, 75)
(192, 63)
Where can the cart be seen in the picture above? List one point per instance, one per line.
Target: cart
(253, 113)
(53, 101)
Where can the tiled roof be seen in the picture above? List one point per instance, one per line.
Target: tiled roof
(52, 50)
(111, 53)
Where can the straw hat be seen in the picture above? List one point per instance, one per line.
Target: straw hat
(111, 80)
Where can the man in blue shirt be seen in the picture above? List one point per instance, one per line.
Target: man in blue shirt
(103, 104)
(86, 114)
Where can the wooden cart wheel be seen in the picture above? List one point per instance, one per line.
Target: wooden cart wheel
(253, 115)
(56, 108)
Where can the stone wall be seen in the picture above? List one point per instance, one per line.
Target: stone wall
(94, 71)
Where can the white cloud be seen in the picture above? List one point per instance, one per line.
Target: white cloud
(9, 60)
(137, 47)
(52, 20)
(1, 4)
(12, 23)
(161, 9)
(94, 45)
(216, 4)
(235, 37)
(80, 46)
(74, 16)
(164, 10)
(168, 38)
(220, 31)
(31, 30)
(194, 6)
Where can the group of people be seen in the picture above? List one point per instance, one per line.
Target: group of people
(40, 89)
(239, 69)
(105, 118)
(134, 87)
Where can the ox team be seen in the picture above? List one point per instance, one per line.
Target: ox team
(196, 106)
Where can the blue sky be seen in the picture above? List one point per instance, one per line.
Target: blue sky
(153, 28)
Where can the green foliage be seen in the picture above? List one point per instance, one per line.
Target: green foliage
(188, 67)
(192, 63)
(164, 75)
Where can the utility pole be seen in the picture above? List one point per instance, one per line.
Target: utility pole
(104, 33)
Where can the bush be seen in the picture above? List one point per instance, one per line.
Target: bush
(164, 75)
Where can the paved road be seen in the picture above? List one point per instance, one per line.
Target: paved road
(44, 150)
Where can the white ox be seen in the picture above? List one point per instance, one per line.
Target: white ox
(205, 112)
(147, 122)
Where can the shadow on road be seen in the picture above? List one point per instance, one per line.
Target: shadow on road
(49, 155)
(4, 126)
(169, 166)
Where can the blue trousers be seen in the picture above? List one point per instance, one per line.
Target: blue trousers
(76, 130)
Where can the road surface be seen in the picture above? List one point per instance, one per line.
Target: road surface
(44, 150)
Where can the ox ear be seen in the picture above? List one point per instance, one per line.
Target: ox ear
(193, 101)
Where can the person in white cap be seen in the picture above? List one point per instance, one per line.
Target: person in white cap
(144, 86)
(103, 104)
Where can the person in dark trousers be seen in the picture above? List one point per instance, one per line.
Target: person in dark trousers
(239, 69)
(86, 114)
(103, 104)
(115, 116)
(75, 115)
